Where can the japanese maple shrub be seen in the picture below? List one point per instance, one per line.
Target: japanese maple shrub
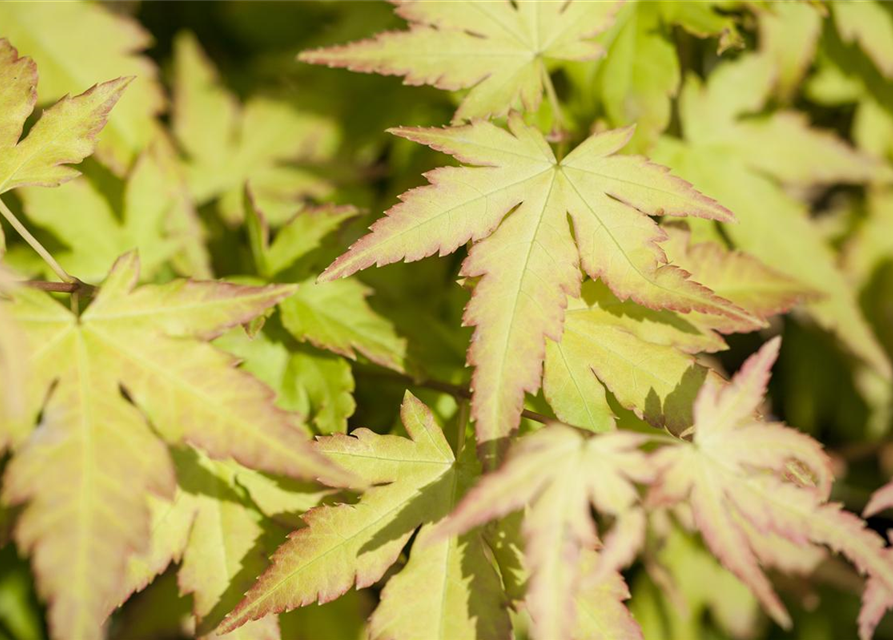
(202, 365)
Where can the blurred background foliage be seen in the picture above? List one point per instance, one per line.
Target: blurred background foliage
(254, 44)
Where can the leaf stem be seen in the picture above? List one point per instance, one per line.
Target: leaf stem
(76, 287)
(39, 248)
(559, 124)
(461, 425)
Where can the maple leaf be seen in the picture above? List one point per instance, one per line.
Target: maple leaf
(745, 479)
(501, 51)
(65, 134)
(147, 341)
(335, 315)
(743, 161)
(695, 583)
(601, 614)
(559, 473)
(77, 42)
(315, 384)
(99, 234)
(529, 263)
(417, 482)
(643, 356)
(227, 144)
(219, 527)
(640, 73)
(217, 534)
(789, 36)
(869, 25)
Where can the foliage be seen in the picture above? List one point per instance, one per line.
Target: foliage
(598, 211)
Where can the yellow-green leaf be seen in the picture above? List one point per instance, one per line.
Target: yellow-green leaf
(76, 43)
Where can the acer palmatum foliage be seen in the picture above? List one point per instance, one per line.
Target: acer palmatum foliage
(200, 370)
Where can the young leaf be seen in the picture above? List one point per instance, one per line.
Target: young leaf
(559, 473)
(75, 43)
(65, 134)
(501, 51)
(228, 145)
(640, 73)
(743, 477)
(789, 35)
(869, 25)
(642, 355)
(93, 458)
(417, 481)
(601, 614)
(516, 205)
(216, 533)
(226, 546)
(333, 316)
(336, 316)
(315, 384)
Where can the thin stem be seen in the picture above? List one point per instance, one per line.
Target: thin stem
(560, 125)
(76, 287)
(39, 248)
(462, 425)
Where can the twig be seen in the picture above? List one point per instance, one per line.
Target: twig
(39, 248)
(76, 287)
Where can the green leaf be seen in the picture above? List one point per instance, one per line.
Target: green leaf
(95, 456)
(732, 159)
(98, 234)
(315, 384)
(561, 474)
(869, 25)
(336, 316)
(789, 36)
(529, 263)
(75, 43)
(502, 52)
(65, 134)
(456, 593)
(640, 73)
(263, 142)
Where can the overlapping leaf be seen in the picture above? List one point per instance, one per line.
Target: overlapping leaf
(334, 316)
(263, 142)
(640, 73)
(515, 205)
(741, 161)
(93, 458)
(499, 50)
(560, 474)
(76, 42)
(789, 35)
(644, 356)
(217, 534)
(455, 592)
(871, 26)
(747, 481)
(156, 219)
